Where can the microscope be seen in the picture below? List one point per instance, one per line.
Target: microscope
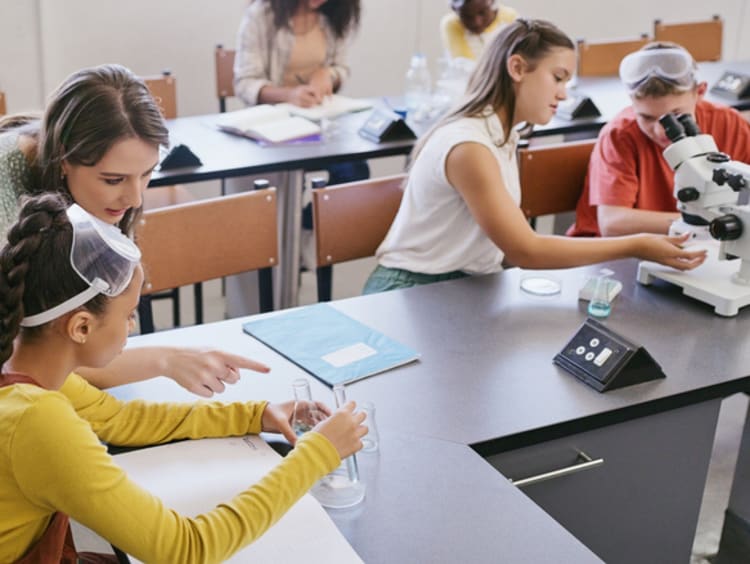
(712, 193)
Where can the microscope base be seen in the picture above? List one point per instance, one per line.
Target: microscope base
(711, 283)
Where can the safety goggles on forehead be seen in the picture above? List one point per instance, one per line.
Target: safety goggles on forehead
(101, 255)
(672, 65)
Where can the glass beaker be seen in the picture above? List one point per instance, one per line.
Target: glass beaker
(341, 488)
(601, 305)
(305, 415)
(371, 440)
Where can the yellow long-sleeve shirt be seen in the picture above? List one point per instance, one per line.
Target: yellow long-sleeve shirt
(460, 42)
(51, 460)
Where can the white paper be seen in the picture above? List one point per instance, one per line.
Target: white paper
(193, 477)
(349, 354)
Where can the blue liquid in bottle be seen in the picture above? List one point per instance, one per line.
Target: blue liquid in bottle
(599, 309)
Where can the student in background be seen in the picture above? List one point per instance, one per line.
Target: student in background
(460, 212)
(97, 144)
(293, 50)
(69, 286)
(472, 25)
(629, 186)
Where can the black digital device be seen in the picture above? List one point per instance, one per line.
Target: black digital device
(577, 106)
(605, 360)
(384, 125)
(732, 85)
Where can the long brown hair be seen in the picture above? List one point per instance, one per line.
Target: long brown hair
(87, 114)
(490, 84)
(35, 269)
(342, 15)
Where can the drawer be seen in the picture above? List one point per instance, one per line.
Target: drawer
(630, 491)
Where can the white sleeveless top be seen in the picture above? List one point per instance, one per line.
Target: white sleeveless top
(434, 231)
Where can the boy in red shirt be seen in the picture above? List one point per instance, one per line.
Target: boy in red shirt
(629, 185)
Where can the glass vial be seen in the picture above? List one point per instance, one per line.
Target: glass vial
(600, 305)
(341, 488)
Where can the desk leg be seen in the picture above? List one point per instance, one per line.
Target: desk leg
(290, 205)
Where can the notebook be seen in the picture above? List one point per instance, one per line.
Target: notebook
(329, 344)
(269, 124)
(193, 477)
(331, 107)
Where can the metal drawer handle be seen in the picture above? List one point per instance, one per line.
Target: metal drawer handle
(585, 463)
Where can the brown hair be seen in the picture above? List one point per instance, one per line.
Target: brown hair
(342, 15)
(87, 114)
(655, 87)
(490, 84)
(35, 269)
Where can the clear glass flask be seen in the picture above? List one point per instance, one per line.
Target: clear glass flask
(341, 488)
(305, 415)
(601, 305)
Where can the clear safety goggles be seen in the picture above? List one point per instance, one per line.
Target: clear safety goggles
(101, 255)
(673, 65)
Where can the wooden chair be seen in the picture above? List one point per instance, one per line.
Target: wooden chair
(163, 88)
(3, 107)
(552, 176)
(602, 58)
(350, 221)
(206, 239)
(702, 39)
(224, 64)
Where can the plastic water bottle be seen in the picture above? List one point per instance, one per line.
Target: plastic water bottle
(418, 87)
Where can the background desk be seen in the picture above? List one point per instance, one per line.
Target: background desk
(610, 96)
(486, 380)
(228, 156)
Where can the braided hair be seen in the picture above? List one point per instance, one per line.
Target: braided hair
(35, 269)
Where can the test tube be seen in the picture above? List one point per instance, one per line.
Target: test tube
(339, 393)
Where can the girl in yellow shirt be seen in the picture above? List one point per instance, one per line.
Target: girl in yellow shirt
(69, 285)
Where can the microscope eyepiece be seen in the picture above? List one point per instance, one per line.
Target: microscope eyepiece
(672, 127)
(689, 125)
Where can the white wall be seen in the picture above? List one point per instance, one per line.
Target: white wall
(44, 40)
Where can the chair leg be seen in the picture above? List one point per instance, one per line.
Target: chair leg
(265, 289)
(146, 315)
(324, 275)
(198, 297)
(175, 306)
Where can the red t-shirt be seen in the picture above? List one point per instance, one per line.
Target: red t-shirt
(627, 168)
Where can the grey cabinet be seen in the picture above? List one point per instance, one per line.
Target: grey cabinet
(629, 491)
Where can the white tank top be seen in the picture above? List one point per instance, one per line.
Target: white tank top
(434, 231)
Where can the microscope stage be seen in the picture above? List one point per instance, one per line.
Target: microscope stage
(712, 282)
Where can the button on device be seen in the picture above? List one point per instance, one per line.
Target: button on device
(589, 356)
(581, 350)
(603, 356)
(594, 342)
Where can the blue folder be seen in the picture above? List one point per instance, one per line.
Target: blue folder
(328, 344)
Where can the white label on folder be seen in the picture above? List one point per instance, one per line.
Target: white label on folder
(349, 354)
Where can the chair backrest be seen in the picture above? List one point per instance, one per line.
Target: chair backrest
(552, 176)
(702, 39)
(164, 90)
(3, 108)
(207, 239)
(602, 58)
(224, 63)
(351, 220)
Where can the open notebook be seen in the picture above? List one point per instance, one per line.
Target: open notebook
(267, 123)
(331, 107)
(192, 477)
(330, 345)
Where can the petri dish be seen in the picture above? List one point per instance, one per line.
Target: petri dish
(539, 285)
